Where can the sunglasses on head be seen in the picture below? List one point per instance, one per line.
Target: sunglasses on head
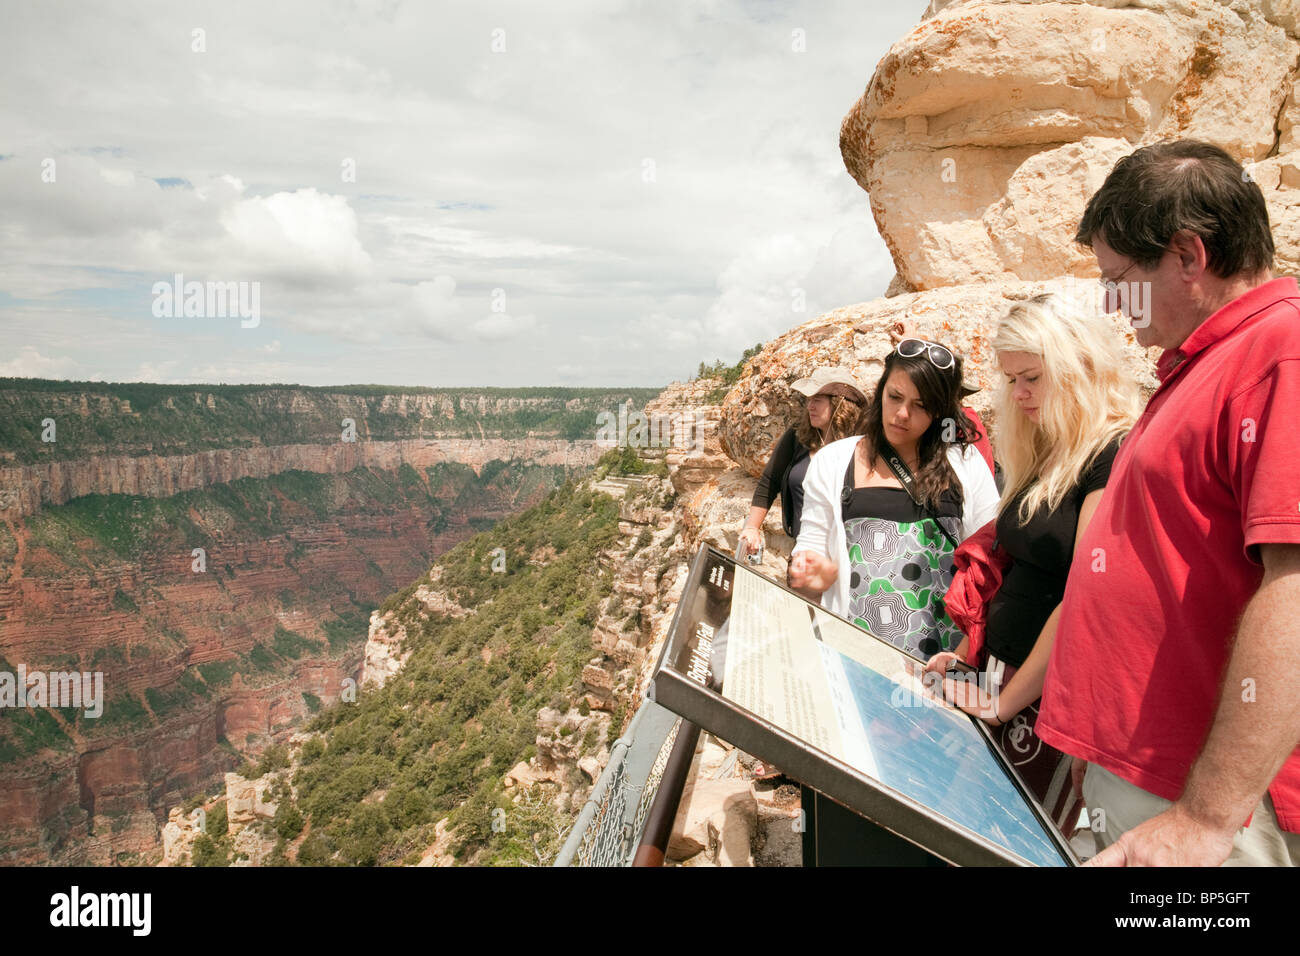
(938, 355)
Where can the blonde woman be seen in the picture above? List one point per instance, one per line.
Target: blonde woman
(1062, 409)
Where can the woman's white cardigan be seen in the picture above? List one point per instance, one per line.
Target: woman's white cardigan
(822, 530)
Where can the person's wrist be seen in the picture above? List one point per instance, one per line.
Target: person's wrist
(997, 705)
(1210, 817)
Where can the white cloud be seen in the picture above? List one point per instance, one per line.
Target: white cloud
(29, 363)
(303, 236)
(499, 326)
(474, 171)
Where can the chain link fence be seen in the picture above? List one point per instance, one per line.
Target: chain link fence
(609, 827)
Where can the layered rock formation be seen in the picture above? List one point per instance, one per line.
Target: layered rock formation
(100, 803)
(24, 489)
(241, 816)
(385, 650)
(203, 662)
(984, 131)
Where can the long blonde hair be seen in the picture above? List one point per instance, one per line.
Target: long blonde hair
(1089, 400)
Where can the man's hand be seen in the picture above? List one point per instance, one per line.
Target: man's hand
(1172, 838)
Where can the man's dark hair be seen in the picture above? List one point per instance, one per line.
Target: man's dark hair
(1160, 189)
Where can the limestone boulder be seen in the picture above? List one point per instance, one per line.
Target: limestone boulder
(438, 853)
(597, 681)
(178, 835)
(982, 130)
(717, 816)
(246, 800)
(522, 775)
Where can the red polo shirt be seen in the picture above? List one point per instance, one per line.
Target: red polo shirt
(1170, 559)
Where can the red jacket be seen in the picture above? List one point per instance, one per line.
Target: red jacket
(979, 567)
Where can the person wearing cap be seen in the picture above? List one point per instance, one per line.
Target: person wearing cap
(834, 404)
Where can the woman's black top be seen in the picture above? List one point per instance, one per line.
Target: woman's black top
(784, 475)
(1041, 550)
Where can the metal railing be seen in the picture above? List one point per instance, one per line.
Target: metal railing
(609, 827)
(604, 834)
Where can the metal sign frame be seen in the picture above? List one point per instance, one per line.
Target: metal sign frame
(686, 691)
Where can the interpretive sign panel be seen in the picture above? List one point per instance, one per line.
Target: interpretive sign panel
(844, 712)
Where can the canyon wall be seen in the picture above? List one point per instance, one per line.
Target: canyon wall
(24, 489)
(223, 593)
(202, 668)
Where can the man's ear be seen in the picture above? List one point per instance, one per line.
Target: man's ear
(1192, 257)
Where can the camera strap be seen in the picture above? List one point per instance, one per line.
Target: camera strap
(905, 478)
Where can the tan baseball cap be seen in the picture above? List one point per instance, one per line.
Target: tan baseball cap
(830, 381)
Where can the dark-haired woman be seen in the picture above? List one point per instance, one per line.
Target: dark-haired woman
(883, 555)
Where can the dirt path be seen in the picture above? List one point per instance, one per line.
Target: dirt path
(20, 541)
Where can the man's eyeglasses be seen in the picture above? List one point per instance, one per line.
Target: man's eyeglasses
(939, 356)
(1112, 297)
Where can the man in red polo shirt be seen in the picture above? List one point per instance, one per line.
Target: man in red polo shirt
(1176, 668)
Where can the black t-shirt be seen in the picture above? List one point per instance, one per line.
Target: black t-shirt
(1041, 550)
(784, 476)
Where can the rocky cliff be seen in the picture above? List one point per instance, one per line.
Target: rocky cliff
(27, 488)
(202, 666)
(979, 138)
(224, 594)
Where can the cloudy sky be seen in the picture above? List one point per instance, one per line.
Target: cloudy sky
(548, 192)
